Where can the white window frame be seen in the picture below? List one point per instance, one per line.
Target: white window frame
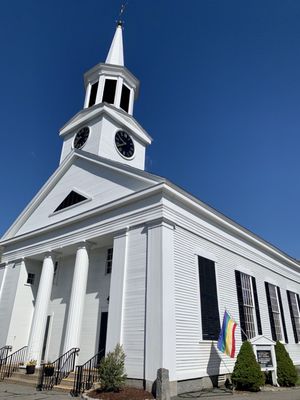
(276, 312)
(298, 316)
(252, 306)
(109, 261)
(33, 280)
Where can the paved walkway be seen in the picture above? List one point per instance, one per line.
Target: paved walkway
(13, 391)
(275, 394)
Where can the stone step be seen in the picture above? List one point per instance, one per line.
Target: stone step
(21, 374)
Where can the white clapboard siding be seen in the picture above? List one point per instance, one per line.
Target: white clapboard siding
(134, 304)
(99, 184)
(194, 358)
(7, 300)
(23, 307)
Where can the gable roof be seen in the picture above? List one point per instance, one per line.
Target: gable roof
(142, 179)
(156, 184)
(116, 114)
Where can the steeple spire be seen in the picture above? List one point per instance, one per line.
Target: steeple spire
(116, 55)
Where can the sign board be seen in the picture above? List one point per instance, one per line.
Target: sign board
(264, 350)
(264, 358)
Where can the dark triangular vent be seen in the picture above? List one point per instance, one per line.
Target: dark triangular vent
(70, 200)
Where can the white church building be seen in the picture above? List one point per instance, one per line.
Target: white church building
(108, 253)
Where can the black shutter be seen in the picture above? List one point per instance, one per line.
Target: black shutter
(241, 304)
(282, 316)
(298, 300)
(272, 323)
(258, 320)
(209, 300)
(292, 316)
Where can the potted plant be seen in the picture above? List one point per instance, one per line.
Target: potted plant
(30, 367)
(49, 369)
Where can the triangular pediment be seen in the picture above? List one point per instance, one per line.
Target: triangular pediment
(81, 183)
(262, 340)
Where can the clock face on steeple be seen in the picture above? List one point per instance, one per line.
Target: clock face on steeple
(124, 144)
(81, 137)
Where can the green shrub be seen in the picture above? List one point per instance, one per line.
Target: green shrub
(112, 372)
(247, 374)
(286, 371)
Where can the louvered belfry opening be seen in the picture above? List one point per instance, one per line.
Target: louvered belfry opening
(70, 200)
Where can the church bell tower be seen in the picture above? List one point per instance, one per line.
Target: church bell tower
(105, 126)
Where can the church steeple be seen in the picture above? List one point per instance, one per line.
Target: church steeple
(105, 127)
(111, 82)
(116, 54)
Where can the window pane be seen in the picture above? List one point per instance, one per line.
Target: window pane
(109, 258)
(248, 305)
(275, 311)
(295, 312)
(30, 278)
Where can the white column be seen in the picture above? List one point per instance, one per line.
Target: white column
(118, 92)
(100, 89)
(40, 311)
(87, 95)
(78, 293)
(116, 293)
(131, 101)
(3, 279)
(160, 347)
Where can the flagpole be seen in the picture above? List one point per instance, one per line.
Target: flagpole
(237, 323)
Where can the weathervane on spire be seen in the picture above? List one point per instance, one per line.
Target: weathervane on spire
(120, 20)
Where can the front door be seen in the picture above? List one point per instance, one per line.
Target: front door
(102, 338)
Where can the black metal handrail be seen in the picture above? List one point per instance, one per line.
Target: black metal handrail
(87, 374)
(53, 373)
(4, 353)
(11, 363)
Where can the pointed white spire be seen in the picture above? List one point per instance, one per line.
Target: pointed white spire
(116, 55)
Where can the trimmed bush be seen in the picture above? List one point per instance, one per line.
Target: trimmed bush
(286, 370)
(247, 374)
(112, 371)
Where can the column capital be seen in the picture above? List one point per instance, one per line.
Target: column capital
(52, 254)
(122, 232)
(85, 244)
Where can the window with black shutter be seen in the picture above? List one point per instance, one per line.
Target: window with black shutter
(293, 300)
(250, 321)
(276, 316)
(209, 299)
(274, 311)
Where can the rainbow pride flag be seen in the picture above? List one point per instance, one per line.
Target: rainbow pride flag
(226, 342)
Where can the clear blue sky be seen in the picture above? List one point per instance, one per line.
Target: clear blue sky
(220, 95)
